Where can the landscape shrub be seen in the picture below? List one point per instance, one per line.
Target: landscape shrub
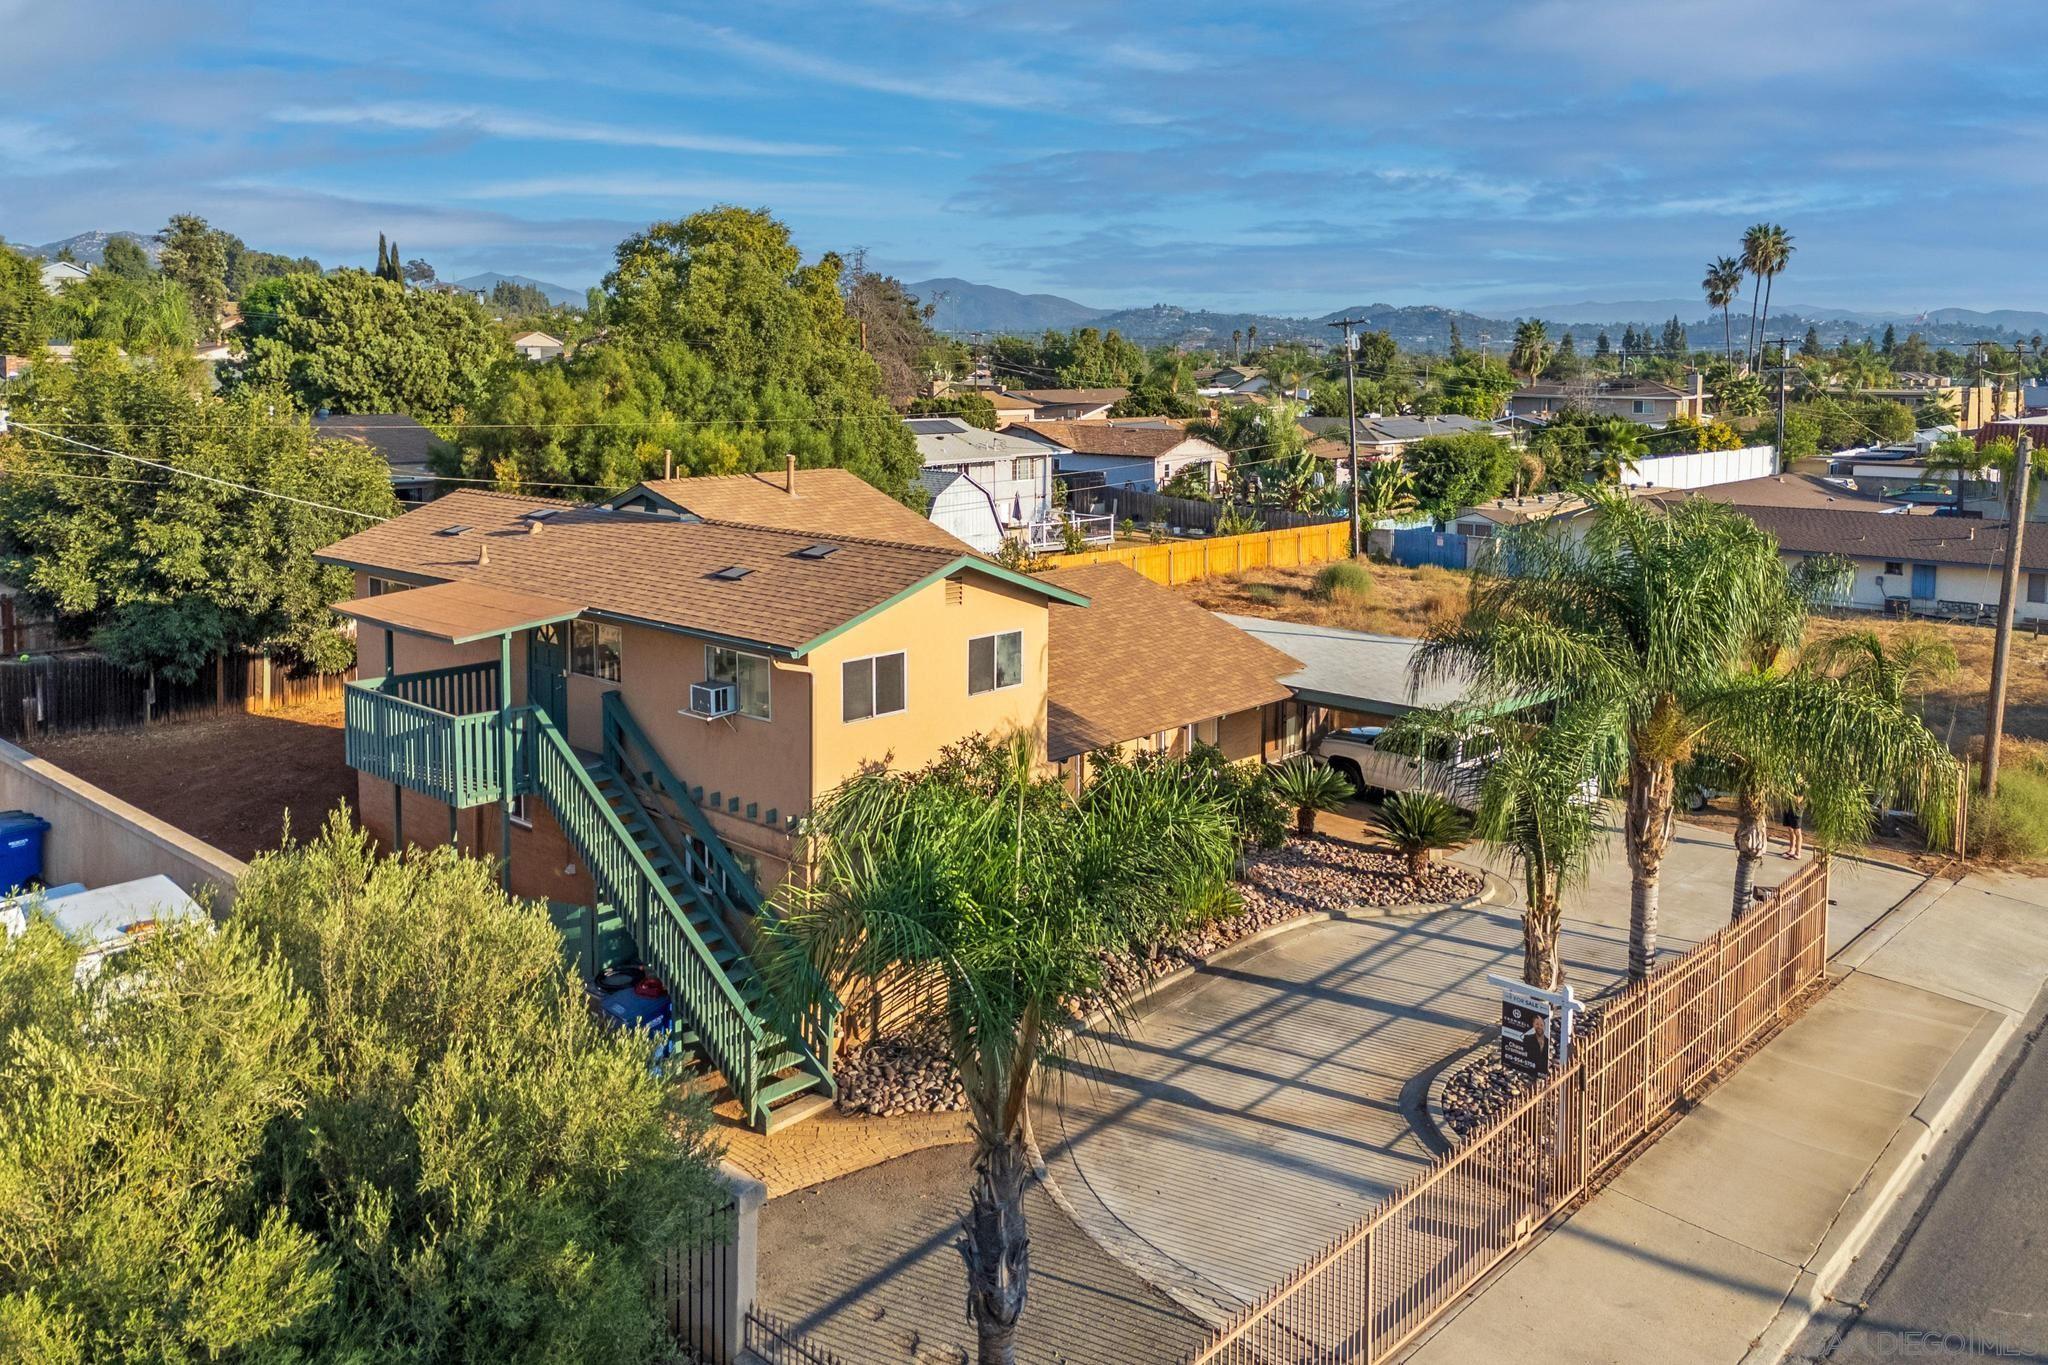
(1343, 582)
(370, 1119)
(2012, 826)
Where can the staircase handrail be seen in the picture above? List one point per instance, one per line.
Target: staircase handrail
(558, 775)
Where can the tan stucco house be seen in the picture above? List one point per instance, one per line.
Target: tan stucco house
(634, 705)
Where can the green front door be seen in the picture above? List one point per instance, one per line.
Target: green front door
(547, 672)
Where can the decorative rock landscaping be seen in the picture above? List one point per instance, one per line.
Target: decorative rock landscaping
(900, 1075)
(1486, 1087)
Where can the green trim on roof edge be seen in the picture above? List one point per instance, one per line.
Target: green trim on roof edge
(945, 571)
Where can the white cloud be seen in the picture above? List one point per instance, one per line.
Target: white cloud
(445, 118)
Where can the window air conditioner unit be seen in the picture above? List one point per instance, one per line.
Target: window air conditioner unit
(713, 699)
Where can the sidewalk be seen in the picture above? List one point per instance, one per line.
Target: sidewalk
(1714, 1244)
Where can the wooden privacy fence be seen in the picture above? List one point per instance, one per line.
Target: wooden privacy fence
(1184, 561)
(1381, 1283)
(55, 694)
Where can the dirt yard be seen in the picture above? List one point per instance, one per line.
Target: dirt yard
(230, 781)
(1402, 601)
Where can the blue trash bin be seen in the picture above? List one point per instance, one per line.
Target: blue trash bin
(21, 848)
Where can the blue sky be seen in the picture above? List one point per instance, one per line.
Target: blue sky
(1276, 156)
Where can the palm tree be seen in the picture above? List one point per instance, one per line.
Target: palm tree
(1914, 663)
(1937, 409)
(1008, 888)
(1236, 339)
(1766, 259)
(1529, 471)
(1309, 785)
(1723, 283)
(1617, 444)
(1829, 744)
(1639, 623)
(1536, 806)
(1418, 823)
(1251, 338)
(1753, 248)
(1532, 345)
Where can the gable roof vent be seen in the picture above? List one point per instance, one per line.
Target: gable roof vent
(731, 573)
(817, 551)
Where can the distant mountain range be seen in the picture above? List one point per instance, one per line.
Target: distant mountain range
(561, 295)
(90, 248)
(963, 307)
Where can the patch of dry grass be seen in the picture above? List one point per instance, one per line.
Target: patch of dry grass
(1401, 601)
(1955, 710)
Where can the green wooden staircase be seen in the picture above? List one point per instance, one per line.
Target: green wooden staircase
(680, 901)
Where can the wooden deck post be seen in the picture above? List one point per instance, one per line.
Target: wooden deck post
(505, 759)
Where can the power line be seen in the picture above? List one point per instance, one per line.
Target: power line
(205, 478)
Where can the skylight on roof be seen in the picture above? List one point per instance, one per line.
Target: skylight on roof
(540, 514)
(732, 573)
(454, 530)
(818, 551)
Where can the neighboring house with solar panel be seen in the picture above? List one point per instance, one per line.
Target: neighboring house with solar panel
(634, 705)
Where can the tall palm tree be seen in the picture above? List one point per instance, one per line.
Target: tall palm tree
(1639, 623)
(1722, 285)
(1007, 888)
(1753, 253)
(1773, 253)
(1236, 340)
(1831, 745)
(1251, 338)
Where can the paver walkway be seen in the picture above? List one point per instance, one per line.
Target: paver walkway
(865, 1266)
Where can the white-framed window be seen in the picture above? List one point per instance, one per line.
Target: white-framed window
(870, 687)
(751, 675)
(521, 815)
(594, 649)
(379, 586)
(1025, 469)
(1639, 407)
(2037, 587)
(995, 662)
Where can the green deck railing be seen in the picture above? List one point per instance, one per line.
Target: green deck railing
(455, 759)
(460, 691)
(801, 1006)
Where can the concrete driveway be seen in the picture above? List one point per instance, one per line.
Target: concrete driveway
(1257, 1110)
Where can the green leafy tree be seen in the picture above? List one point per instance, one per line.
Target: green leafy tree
(1011, 891)
(126, 258)
(168, 568)
(1531, 349)
(1386, 492)
(975, 409)
(196, 256)
(1475, 386)
(1641, 622)
(725, 348)
(369, 1119)
(352, 342)
(22, 304)
(1458, 470)
(152, 316)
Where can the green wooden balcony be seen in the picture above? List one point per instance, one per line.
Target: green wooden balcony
(436, 733)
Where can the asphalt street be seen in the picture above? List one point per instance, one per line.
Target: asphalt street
(1969, 1278)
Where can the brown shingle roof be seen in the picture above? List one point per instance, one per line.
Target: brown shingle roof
(460, 612)
(1889, 536)
(1074, 397)
(1114, 438)
(649, 567)
(1140, 659)
(827, 502)
(403, 442)
(1796, 490)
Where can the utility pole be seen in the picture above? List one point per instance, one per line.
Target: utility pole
(2008, 599)
(1784, 364)
(1351, 422)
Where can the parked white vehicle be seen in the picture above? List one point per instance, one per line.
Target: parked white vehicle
(1449, 769)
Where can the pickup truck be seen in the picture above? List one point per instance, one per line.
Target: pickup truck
(1447, 769)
